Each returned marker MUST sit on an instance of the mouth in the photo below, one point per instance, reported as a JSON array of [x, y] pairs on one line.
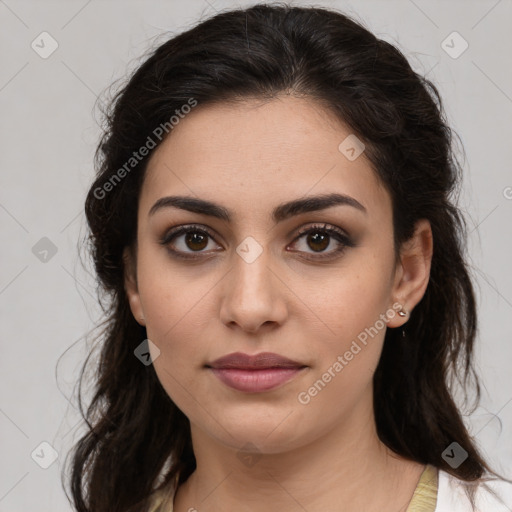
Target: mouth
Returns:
[[261, 361], [256, 381], [253, 374]]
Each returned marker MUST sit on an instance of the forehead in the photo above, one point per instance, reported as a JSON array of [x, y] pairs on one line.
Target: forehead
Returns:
[[253, 154]]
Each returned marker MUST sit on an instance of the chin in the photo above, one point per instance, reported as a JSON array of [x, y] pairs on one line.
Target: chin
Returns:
[[271, 434]]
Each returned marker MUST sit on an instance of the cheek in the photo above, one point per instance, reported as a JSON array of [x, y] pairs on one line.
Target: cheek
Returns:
[[174, 306], [349, 301], [171, 326], [177, 369], [345, 366], [353, 307], [177, 322], [171, 294]]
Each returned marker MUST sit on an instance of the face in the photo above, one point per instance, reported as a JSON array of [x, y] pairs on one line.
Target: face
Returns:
[[307, 285]]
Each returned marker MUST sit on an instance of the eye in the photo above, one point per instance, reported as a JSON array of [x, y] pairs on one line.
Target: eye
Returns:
[[319, 238], [196, 239]]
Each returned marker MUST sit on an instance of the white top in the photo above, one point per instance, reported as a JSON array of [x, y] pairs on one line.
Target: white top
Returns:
[[451, 496]]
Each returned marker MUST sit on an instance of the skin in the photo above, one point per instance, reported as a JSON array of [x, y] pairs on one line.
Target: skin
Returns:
[[250, 157]]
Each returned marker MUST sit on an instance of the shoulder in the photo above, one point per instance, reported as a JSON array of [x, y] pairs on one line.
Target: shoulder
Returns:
[[162, 499], [452, 496]]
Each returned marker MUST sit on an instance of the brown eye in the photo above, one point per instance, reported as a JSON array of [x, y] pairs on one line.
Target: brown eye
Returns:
[[317, 241], [319, 238], [194, 239]]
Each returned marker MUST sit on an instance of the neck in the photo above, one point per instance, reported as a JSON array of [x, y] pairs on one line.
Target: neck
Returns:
[[348, 464]]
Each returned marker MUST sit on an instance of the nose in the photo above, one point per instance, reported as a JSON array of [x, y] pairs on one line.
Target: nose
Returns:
[[253, 296]]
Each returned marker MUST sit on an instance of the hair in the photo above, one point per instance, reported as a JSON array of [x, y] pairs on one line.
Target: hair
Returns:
[[367, 83]]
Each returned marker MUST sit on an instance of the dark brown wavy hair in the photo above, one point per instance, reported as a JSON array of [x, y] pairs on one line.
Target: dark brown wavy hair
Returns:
[[260, 52]]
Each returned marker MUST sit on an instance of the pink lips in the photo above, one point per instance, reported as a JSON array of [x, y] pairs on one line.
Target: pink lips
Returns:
[[257, 373]]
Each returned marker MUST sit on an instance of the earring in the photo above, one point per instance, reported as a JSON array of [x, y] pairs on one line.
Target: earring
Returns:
[[403, 313]]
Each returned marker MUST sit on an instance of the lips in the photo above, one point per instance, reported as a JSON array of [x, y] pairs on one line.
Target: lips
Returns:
[[264, 360], [254, 374]]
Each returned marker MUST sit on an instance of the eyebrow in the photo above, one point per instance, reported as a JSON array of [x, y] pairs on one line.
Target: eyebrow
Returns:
[[279, 213]]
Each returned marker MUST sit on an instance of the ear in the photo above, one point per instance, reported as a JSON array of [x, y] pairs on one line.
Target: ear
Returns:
[[413, 271], [130, 285]]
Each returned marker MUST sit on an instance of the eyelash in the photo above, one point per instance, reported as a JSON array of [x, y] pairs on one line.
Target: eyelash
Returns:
[[332, 231]]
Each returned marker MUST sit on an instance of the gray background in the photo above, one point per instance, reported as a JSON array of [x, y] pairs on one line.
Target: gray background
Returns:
[[48, 134]]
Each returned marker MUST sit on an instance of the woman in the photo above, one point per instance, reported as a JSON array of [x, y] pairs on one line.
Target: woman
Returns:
[[288, 294]]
